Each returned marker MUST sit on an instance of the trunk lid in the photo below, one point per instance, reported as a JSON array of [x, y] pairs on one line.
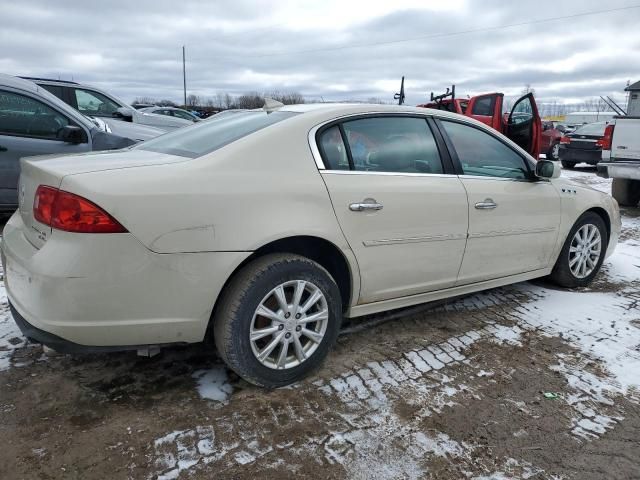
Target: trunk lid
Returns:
[[51, 169]]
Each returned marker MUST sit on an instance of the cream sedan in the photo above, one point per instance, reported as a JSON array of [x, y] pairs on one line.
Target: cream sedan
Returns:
[[262, 230]]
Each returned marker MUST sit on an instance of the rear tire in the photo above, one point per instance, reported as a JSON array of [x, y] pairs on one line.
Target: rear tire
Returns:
[[554, 152], [564, 271], [271, 285], [568, 165], [626, 191]]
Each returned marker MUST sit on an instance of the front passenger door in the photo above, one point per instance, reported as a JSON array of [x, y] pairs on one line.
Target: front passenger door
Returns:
[[513, 218]]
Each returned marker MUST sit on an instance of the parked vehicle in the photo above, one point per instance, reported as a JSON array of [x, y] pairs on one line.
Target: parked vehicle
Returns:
[[34, 122], [264, 229], [522, 125], [621, 159], [140, 106], [172, 112], [583, 146], [550, 140], [577, 119], [98, 103]]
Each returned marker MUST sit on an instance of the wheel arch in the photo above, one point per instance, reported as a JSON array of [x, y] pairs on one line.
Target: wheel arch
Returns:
[[318, 249], [602, 213]]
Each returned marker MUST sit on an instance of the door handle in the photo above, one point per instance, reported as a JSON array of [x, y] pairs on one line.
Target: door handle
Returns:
[[3, 149], [488, 204], [366, 204]]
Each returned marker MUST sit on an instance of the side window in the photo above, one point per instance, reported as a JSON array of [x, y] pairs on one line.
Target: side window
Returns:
[[332, 148], [183, 115], [94, 103], [55, 89], [482, 154], [25, 116], [393, 144], [484, 106]]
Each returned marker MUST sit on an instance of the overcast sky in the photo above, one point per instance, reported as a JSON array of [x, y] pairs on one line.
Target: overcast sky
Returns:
[[329, 49]]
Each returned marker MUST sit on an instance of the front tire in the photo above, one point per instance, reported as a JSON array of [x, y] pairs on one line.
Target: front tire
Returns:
[[583, 252], [277, 319], [626, 191], [568, 165]]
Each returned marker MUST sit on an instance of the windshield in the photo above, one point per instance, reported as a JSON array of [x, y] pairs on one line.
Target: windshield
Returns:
[[592, 129], [205, 137]]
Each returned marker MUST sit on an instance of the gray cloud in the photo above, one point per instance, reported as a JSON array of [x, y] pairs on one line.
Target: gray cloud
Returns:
[[134, 48]]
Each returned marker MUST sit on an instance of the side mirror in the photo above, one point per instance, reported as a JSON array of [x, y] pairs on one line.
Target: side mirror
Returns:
[[73, 134], [124, 113], [547, 169]]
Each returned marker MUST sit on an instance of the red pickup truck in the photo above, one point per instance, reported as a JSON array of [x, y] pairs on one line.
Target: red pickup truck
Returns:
[[522, 124]]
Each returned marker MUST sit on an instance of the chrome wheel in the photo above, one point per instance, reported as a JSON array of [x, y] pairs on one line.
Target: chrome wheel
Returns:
[[585, 251], [289, 324], [555, 151]]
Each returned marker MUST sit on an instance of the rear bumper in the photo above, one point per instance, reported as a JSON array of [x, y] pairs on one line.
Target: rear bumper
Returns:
[[592, 157], [630, 170], [109, 290]]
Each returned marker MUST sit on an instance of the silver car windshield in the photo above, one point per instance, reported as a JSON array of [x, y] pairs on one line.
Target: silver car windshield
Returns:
[[205, 137]]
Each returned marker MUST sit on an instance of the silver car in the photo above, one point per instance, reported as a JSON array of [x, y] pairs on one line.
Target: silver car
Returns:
[[35, 122], [94, 102], [172, 112]]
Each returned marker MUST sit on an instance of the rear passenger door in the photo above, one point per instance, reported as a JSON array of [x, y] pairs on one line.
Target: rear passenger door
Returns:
[[401, 208], [487, 109]]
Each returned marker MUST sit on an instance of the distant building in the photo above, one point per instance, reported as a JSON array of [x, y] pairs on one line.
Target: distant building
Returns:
[[633, 106]]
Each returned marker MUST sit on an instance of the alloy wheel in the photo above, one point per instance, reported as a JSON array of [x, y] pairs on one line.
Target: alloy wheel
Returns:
[[585, 250], [289, 324]]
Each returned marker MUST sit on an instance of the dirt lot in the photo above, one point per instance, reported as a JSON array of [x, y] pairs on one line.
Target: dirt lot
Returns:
[[526, 381]]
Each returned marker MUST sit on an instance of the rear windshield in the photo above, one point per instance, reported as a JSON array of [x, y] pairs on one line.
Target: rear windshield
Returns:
[[212, 134], [592, 129]]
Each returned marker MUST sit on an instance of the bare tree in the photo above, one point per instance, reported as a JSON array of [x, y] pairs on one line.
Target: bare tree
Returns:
[[193, 100]]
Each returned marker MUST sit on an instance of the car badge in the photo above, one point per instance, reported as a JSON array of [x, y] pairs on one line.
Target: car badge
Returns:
[[21, 198]]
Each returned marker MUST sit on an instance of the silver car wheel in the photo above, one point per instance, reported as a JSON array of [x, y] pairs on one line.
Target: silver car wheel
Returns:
[[289, 324], [555, 151], [585, 251]]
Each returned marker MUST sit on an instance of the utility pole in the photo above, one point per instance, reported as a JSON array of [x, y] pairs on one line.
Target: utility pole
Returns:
[[184, 78]]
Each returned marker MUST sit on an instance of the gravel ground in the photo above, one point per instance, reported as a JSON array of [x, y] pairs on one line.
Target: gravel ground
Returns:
[[525, 381]]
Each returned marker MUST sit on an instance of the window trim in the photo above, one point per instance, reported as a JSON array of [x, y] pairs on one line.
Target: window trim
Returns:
[[316, 131], [39, 100], [456, 160]]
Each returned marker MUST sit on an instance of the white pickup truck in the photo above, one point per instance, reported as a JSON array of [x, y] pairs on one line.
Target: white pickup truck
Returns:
[[621, 159]]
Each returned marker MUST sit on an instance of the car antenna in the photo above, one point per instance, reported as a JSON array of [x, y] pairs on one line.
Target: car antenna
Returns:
[[271, 105], [400, 96]]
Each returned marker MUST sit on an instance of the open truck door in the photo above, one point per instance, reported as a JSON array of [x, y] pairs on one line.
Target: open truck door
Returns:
[[486, 108], [524, 126]]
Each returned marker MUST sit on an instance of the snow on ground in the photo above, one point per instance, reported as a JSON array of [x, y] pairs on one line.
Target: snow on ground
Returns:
[[213, 383], [10, 336]]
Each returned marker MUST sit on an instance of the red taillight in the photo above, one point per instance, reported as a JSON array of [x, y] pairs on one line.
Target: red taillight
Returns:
[[605, 141], [565, 140], [72, 213]]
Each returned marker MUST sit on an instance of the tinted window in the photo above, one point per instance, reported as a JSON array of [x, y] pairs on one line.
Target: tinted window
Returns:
[[55, 89], [20, 115], [95, 104], [393, 144], [205, 137], [183, 115], [592, 129], [483, 106], [333, 151], [482, 154]]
